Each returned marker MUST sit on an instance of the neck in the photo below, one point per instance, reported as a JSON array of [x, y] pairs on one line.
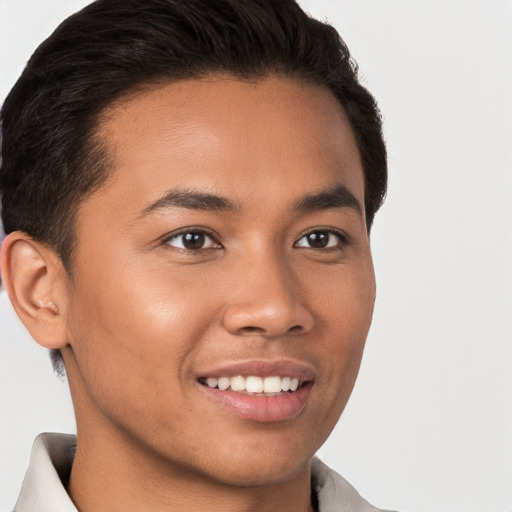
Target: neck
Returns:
[[113, 474]]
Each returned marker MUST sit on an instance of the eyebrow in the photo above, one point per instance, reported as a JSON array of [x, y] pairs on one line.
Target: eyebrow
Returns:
[[335, 197], [192, 200]]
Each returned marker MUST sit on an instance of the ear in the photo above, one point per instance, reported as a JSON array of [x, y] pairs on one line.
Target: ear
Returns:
[[36, 282]]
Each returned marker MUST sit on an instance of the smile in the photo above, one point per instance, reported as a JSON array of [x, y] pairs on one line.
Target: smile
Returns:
[[261, 391], [254, 385]]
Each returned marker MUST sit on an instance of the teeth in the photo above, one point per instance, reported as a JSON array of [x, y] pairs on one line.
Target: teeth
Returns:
[[272, 384], [254, 384], [212, 382], [237, 384], [224, 383]]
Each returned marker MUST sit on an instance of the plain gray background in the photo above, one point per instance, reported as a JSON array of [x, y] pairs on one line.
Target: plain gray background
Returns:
[[429, 426]]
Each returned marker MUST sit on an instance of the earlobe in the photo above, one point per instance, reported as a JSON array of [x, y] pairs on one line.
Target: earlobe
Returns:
[[35, 280]]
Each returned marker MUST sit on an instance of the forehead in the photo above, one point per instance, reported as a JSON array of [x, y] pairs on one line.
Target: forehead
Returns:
[[230, 137]]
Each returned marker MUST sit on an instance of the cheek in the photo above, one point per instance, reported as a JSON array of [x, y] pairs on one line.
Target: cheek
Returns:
[[137, 306], [344, 300], [344, 312], [135, 334]]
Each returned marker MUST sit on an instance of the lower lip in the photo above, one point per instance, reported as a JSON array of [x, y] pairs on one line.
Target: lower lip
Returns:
[[262, 408]]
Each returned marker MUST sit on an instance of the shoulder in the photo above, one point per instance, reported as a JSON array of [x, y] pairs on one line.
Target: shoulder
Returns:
[[334, 493]]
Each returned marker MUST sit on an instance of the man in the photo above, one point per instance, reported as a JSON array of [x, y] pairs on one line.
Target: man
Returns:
[[187, 191]]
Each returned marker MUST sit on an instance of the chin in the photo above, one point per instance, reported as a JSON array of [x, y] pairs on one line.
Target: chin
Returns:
[[268, 464], [257, 473]]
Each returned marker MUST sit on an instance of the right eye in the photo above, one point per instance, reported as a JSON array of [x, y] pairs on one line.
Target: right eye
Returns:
[[193, 240]]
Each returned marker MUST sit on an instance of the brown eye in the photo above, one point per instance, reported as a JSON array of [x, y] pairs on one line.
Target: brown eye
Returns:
[[192, 241], [320, 240]]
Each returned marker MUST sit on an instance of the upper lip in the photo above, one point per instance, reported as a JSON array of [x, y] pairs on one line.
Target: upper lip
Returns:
[[263, 368]]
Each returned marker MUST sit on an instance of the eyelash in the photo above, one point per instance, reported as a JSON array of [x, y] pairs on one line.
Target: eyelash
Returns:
[[342, 239]]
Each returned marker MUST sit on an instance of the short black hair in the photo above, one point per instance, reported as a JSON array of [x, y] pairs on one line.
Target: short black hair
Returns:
[[51, 155]]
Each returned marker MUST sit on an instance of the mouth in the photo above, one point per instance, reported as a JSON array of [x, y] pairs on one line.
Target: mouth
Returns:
[[260, 391]]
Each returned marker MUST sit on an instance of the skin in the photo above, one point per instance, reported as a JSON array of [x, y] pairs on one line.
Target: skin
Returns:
[[142, 318]]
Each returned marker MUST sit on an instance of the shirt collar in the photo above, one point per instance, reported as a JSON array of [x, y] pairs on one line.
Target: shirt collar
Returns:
[[50, 465]]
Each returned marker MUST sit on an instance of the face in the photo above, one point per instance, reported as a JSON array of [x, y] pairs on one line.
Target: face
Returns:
[[222, 283]]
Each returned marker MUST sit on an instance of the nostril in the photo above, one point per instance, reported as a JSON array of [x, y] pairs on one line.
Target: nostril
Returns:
[[251, 330]]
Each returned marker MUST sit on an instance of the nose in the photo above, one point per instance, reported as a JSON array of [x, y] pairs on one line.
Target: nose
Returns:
[[266, 301]]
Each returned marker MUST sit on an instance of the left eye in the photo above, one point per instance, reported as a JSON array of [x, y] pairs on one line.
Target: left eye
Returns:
[[192, 241], [320, 240]]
